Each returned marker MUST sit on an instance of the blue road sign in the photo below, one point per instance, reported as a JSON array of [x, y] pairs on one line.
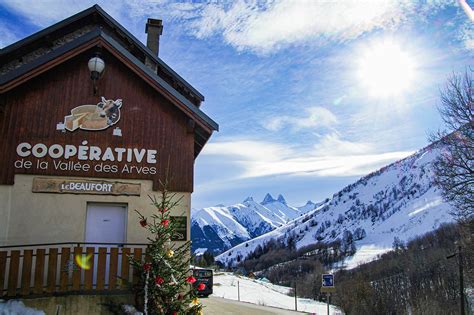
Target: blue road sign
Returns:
[[328, 280]]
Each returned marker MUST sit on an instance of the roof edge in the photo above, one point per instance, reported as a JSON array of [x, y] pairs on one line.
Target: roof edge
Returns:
[[98, 9], [98, 33], [145, 49], [56, 26], [160, 81]]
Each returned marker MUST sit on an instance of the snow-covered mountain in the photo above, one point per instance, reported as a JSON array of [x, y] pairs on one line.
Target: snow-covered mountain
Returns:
[[398, 200], [219, 228]]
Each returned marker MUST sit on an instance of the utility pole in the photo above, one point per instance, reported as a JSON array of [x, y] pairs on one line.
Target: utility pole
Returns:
[[296, 300], [238, 290], [461, 278], [327, 300]]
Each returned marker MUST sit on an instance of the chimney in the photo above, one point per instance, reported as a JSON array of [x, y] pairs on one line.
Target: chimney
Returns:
[[154, 28]]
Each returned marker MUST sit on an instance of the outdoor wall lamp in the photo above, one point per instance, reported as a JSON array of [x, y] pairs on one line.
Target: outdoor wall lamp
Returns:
[[96, 67]]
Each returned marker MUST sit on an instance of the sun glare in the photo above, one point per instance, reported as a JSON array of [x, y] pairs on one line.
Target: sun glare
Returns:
[[385, 69]]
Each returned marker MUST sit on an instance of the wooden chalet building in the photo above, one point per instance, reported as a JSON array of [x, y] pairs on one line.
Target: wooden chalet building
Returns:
[[83, 145]]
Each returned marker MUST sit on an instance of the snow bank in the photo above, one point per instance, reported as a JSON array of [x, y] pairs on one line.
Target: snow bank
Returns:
[[14, 307], [130, 310]]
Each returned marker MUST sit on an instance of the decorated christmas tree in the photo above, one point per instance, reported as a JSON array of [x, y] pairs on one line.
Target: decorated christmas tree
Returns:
[[166, 279]]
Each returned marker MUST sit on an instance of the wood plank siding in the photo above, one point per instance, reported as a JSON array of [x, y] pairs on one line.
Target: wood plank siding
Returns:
[[30, 112]]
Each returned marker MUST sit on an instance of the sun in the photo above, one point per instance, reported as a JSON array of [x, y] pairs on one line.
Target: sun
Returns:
[[385, 69]]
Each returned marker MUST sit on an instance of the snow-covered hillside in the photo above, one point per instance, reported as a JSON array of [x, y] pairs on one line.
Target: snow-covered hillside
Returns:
[[219, 228], [398, 200]]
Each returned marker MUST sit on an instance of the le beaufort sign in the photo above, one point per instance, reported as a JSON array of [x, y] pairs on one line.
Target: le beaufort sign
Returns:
[[82, 186]]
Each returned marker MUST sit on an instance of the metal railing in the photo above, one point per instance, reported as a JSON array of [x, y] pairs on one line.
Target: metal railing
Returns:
[[72, 243]]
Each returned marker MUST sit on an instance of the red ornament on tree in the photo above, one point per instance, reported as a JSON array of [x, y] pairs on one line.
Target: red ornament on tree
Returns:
[[143, 222], [165, 223], [190, 279], [159, 280], [147, 267], [201, 286]]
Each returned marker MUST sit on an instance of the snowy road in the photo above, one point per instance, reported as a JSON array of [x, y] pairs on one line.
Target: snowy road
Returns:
[[218, 306]]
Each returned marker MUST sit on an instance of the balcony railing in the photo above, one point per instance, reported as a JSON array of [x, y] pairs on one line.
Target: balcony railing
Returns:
[[67, 268]]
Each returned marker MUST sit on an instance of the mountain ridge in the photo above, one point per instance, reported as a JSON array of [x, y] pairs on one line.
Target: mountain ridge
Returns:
[[398, 200], [221, 227]]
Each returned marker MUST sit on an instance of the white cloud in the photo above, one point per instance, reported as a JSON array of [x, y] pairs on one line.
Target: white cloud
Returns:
[[315, 117], [332, 156], [466, 35], [46, 12], [7, 35], [263, 28], [259, 26], [248, 150], [331, 144]]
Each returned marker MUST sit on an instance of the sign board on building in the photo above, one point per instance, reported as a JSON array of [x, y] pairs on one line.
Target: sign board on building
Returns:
[[83, 186], [181, 223]]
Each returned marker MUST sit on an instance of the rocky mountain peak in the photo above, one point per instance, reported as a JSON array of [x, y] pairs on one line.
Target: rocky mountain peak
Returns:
[[248, 199], [281, 199], [268, 199]]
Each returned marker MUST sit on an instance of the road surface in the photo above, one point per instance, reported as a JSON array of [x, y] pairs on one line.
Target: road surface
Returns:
[[220, 306]]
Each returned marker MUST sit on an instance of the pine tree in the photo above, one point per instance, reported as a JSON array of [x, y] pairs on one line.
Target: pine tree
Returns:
[[165, 280]]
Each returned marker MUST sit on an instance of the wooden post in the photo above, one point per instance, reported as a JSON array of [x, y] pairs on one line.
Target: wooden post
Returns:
[[64, 275], [13, 274], [124, 273], [89, 273], [101, 260], [137, 255], [113, 268], [77, 270], [26, 273], [52, 266], [39, 270], [3, 264]]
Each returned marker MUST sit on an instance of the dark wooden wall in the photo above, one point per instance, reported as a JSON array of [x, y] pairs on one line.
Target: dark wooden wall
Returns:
[[30, 112]]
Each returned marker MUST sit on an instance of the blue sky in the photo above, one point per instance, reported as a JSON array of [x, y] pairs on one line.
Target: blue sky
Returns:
[[309, 95]]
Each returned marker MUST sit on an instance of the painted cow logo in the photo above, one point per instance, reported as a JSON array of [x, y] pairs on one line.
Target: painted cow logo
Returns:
[[94, 117]]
